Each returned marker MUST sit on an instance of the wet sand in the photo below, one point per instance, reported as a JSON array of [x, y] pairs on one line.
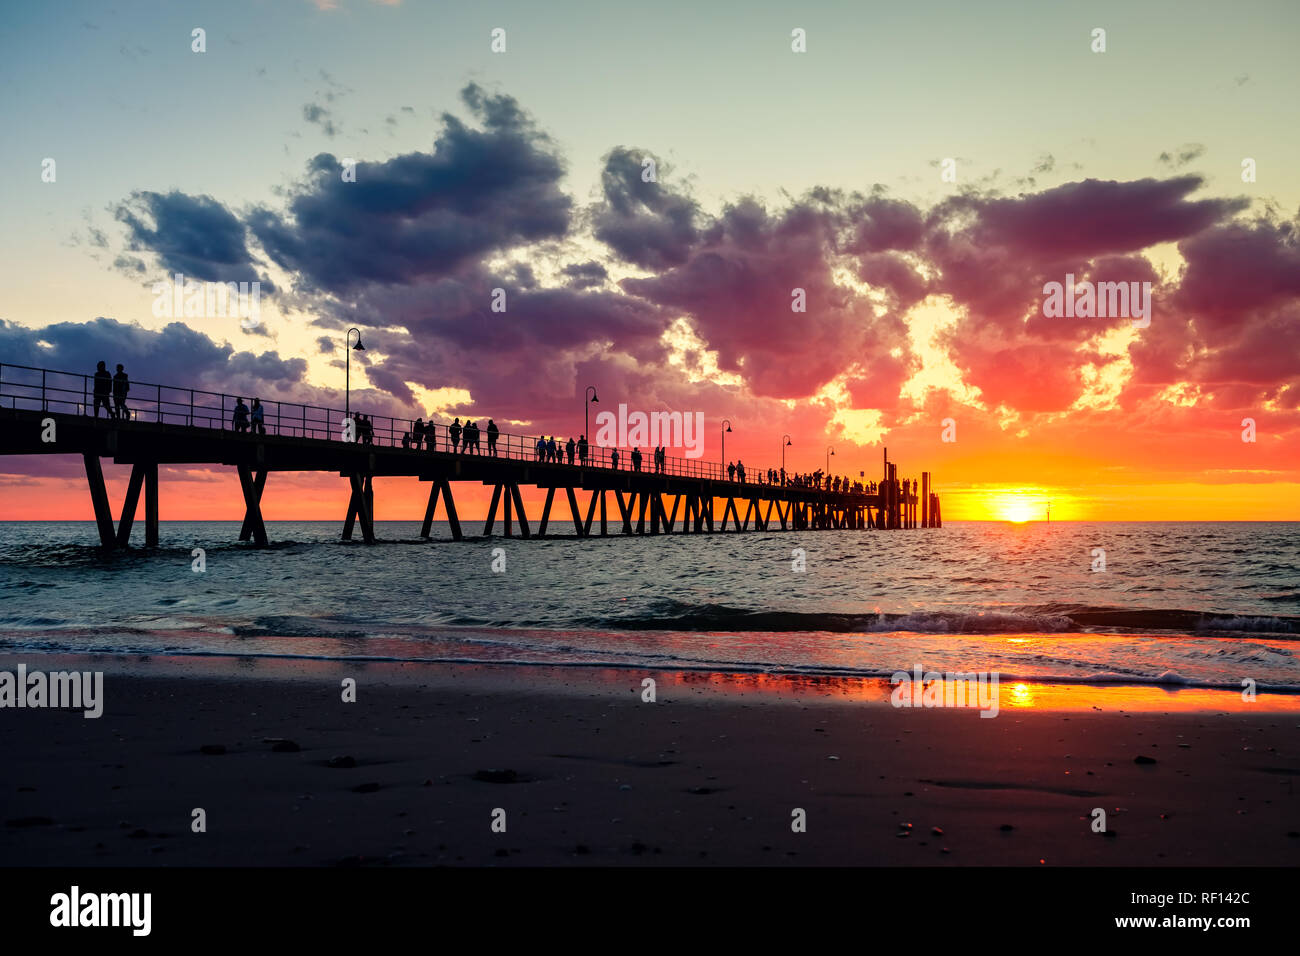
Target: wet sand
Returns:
[[588, 773]]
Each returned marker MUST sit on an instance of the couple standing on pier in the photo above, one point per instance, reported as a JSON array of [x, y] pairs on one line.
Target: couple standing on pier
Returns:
[[107, 384]]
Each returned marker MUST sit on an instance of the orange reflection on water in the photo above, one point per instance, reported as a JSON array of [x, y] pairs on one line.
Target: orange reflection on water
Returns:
[[802, 688], [1021, 695]]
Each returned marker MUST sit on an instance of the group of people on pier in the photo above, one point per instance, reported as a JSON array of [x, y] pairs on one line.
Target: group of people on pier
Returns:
[[815, 480], [465, 439]]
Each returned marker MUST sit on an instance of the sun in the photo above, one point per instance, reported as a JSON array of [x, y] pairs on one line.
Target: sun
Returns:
[[1015, 507]]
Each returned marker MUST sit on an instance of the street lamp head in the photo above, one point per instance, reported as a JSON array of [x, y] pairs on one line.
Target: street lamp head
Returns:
[[728, 428], [358, 347]]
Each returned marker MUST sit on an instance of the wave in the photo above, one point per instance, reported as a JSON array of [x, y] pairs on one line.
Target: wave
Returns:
[[1045, 619]]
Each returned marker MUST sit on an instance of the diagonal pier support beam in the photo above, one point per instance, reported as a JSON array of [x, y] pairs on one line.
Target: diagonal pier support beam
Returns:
[[254, 527], [361, 508], [449, 504], [546, 513], [426, 528], [492, 510], [579, 528], [519, 511], [129, 505], [99, 501]]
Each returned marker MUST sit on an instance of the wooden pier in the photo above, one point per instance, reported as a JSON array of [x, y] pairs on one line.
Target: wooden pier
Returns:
[[43, 412]]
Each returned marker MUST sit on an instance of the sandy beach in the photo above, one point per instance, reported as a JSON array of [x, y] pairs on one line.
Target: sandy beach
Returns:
[[587, 772]]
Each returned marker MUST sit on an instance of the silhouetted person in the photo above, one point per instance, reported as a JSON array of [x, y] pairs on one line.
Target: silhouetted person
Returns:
[[453, 431], [417, 433], [636, 459], [731, 472], [570, 447], [259, 418], [540, 449], [740, 470], [240, 418], [103, 388], [582, 450], [613, 458], [493, 433], [121, 385]]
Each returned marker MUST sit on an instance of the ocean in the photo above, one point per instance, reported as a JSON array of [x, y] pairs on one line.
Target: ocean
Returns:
[[1179, 604]]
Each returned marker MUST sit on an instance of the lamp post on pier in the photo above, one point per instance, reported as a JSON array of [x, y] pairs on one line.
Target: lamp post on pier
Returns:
[[723, 467], [347, 375], [830, 452], [588, 399], [784, 445]]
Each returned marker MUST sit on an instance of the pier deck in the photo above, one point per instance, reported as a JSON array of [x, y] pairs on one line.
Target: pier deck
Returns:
[[46, 412]]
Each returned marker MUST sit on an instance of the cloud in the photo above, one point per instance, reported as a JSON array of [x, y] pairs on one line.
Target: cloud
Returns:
[[175, 355], [661, 301], [319, 115], [648, 224], [1182, 156], [193, 235], [422, 215]]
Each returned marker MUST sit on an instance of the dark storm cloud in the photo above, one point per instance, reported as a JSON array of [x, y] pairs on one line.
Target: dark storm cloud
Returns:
[[193, 235], [585, 274], [426, 214], [176, 355], [649, 224]]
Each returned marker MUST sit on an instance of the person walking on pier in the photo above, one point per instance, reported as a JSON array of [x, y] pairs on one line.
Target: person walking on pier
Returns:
[[453, 431], [259, 417], [636, 459], [417, 433], [540, 449], [740, 470], [613, 458], [552, 450], [121, 385], [582, 450], [493, 434], [103, 388], [731, 471], [570, 448], [240, 418], [469, 438]]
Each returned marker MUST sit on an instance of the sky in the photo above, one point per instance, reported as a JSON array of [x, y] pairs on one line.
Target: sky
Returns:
[[920, 171]]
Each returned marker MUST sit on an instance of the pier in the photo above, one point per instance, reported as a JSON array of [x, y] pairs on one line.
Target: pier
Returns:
[[47, 412]]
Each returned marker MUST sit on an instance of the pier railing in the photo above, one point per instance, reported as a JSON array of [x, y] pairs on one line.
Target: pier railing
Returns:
[[39, 389]]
